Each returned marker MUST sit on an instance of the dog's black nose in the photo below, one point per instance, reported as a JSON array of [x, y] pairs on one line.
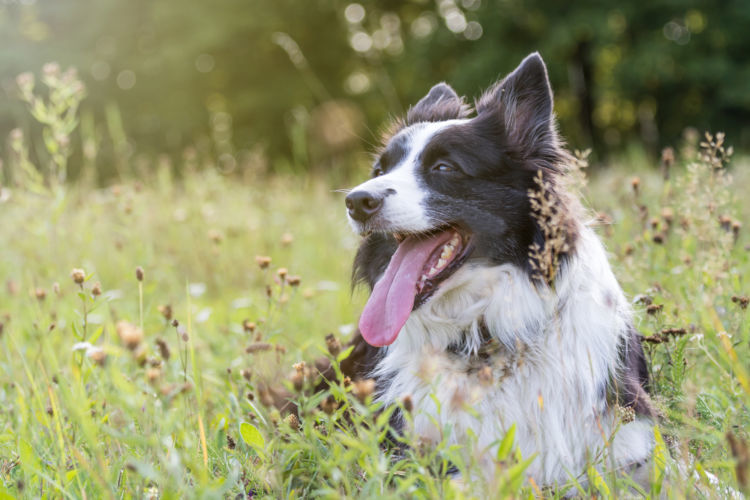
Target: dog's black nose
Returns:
[[363, 205]]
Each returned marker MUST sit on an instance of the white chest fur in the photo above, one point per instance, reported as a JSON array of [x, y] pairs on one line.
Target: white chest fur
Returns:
[[558, 353]]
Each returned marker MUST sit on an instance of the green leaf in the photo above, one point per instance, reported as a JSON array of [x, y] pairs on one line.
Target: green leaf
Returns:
[[660, 463], [344, 354], [252, 436], [506, 445]]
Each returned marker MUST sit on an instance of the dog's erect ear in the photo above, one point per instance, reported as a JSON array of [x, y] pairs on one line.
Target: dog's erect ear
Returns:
[[524, 100], [440, 103]]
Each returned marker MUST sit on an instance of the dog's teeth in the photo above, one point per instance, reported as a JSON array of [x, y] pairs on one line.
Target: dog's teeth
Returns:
[[423, 278], [432, 272], [441, 263], [447, 252], [454, 241]]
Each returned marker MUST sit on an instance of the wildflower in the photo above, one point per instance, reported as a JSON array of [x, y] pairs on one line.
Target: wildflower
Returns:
[[25, 82], [282, 272], [40, 294], [673, 331], [184, 335], [668, 215], [654, 223], [78, 275], [166, 311], [139, 273], [298, 380], [97, 355], [96, 290], [280, 349], [263, 261], [51, 69], [163, 349], [129, 334], [333, 344], [246, 374], [287, 239], [12, 287], [736, 226], [175, 323], [363, 389]]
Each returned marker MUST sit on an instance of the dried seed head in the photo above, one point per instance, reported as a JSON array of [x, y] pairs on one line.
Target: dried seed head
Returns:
[[96, 290], [56, 288], [293, 280], [287, 239], [736, 226], [292, 421], [280, 349], [658, 238], [263, 261], [40, 294], [139, 273], [78, 275], [258, 347], [654, 308], [215, 236], [166, 311], [298, 380], [246, 374], [363, 389], [248, 326], [184, 336], [333, 344], [626, 414], [129, 334], [299, 367], [329, 405], [408, 403], [635, 183], [97, 355], [153, 374], [668, 215], [230, 442], [269, 291], [654, 222], [175, 323], [282, 272], [629, 249], [726, 222], [741, 301], [2, 326], [163, 349]]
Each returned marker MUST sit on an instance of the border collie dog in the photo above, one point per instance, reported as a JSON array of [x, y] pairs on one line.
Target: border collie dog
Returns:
[[460, 318]]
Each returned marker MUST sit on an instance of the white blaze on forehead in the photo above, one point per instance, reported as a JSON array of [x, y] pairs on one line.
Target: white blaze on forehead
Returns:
[[403, 208]]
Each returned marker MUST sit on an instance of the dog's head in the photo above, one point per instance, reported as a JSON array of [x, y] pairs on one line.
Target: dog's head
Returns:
[[449, 186]]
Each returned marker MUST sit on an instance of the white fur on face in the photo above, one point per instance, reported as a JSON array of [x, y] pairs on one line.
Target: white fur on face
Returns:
[[403, 208]]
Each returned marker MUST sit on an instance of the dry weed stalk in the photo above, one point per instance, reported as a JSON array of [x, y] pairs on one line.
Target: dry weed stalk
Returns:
[[547, 210]]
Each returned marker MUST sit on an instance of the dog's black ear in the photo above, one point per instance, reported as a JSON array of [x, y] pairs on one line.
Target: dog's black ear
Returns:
[[440, 103], [524, 101]]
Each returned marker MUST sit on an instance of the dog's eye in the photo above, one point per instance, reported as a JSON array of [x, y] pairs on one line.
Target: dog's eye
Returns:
[[377, 172], [444, 168]]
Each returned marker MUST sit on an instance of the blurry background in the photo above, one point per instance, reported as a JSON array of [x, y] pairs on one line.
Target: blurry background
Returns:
[[291, 85]]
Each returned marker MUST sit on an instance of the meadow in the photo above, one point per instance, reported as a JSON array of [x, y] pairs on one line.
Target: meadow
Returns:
[[142, 323]]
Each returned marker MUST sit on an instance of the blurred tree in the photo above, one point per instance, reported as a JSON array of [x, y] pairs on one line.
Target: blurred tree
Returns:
[[255, 74]]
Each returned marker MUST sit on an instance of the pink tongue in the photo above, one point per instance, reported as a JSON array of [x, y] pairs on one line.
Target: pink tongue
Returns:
[[392, 299]]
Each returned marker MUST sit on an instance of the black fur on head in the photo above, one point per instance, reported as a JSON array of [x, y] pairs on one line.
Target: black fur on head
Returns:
[[495, 156]]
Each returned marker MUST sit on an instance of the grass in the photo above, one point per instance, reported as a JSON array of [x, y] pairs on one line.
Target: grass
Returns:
[[118, 383]]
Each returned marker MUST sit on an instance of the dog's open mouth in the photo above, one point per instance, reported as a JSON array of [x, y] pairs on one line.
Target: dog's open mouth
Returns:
[[414, 273]]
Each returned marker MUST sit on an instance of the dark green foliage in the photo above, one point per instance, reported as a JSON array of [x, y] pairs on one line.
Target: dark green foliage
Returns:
[[622, 70]]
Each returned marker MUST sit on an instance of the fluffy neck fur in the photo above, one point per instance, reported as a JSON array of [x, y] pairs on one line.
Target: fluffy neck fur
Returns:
[[558, 360]]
